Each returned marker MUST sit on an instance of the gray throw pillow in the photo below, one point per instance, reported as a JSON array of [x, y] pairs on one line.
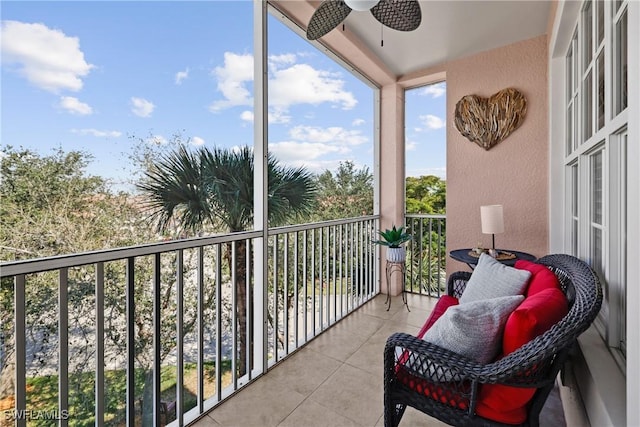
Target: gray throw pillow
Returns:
[[492, 279], [474, 329]]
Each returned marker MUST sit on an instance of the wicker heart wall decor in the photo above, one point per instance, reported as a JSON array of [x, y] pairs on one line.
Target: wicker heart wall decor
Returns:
[[487, 121]]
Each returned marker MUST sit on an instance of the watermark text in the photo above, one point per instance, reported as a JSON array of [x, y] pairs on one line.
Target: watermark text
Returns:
[[31, 415]]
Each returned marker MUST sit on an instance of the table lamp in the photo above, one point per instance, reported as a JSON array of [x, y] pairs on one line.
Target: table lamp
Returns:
[[492, 221]]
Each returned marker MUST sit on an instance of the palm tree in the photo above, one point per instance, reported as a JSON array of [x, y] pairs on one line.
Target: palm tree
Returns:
[[212, 187]]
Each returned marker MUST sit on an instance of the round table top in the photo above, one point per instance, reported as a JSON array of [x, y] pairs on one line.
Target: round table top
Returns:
[[463, 255]]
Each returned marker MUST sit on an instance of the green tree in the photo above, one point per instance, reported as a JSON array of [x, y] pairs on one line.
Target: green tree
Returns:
[[346, 193], [50, 206], [426, 195], [202, 189]]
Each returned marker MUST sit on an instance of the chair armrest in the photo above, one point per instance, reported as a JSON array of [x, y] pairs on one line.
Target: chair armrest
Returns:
[[427, 355], [457, 283], [412, 362]]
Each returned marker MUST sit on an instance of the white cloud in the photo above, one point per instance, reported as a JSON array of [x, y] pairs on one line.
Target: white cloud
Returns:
[[278, 117], [74, 106], [197, 141], [330, 135], [289, 84], [303, 84], [247, 116], [432, 122], [289, 153], [47, 58], [141, 107], [358, 122], [294, 151], [98, 133], [237, 70], [274, 117], [435, 90], [285, 59], [310, 145], [181, 75], [411, 145]]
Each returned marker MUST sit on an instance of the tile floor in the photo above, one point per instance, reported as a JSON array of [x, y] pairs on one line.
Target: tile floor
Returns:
[[336, 379]]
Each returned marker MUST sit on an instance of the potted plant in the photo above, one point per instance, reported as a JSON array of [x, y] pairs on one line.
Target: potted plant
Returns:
[[393, 239]]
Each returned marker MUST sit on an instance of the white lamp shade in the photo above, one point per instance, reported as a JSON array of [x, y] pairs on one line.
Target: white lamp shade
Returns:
[[361, 5], [492, 219]]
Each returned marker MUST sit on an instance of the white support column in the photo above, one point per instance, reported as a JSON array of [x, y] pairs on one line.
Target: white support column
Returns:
[[260, 184]]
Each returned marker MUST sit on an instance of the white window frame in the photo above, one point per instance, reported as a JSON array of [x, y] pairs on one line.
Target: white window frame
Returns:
[[584, 138], [587, 136]]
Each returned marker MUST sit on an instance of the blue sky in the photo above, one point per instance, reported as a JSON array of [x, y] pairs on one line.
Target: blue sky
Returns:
[[104, 76]]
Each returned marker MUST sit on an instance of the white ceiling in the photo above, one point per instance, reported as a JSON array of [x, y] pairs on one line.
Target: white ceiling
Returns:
[[449, 30]]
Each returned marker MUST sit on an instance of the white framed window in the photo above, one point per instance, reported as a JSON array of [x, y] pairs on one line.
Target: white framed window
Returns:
[[617, 278], [596, 157]]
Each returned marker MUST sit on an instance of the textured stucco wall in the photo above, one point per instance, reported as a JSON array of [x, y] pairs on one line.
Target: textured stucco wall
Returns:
[[392, 170], [513, 173]]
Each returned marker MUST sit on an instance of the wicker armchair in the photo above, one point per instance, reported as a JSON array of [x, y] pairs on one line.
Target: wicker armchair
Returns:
[[536, 365]]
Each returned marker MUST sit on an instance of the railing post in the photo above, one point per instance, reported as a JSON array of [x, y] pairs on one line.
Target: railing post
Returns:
[[179, 337], [20, 334], [131, 342], [100, 397], [156, 332], [200, 333], [63, 344]]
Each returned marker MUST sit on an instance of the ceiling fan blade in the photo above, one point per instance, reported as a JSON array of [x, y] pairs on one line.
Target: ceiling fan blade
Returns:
[[401, 15], [328, 16]]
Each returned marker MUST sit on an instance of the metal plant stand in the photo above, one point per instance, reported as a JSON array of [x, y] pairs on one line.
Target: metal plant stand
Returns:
[[390, 268]]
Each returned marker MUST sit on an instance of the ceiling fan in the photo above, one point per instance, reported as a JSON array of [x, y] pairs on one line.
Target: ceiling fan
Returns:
[[401, 15]]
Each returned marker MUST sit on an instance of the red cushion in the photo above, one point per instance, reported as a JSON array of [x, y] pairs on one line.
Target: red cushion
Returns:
[[443, 303], [452, 394], [541, 277], [537, 314]]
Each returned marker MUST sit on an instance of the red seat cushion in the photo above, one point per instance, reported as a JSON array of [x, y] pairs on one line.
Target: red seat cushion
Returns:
[[537, 314], [451, 394], [541, 277], [443, 303]]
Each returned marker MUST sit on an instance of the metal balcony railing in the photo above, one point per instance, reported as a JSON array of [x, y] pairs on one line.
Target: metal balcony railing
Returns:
[[426, 254], [171, 326]]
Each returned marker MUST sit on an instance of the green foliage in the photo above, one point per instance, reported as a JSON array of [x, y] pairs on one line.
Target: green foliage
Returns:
[[206, 187], [82, 410], [426, 195], [346, 193], [393, 237], [50, 206]]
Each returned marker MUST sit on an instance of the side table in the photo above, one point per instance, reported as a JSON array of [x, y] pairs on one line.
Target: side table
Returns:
[[401, 268], [463, 255]]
